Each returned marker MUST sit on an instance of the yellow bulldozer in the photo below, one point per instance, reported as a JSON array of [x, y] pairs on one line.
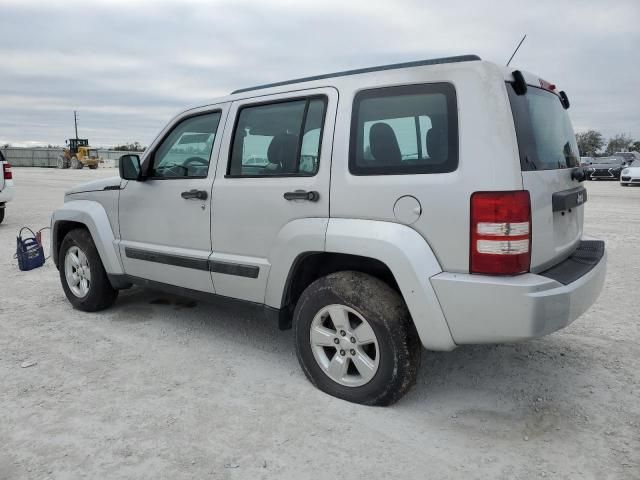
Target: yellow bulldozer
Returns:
[[79, 155]]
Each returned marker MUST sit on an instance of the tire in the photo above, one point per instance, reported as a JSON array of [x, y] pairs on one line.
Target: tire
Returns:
[[367, 301], [93, 167], [99, 293], [63, 162], [76, 164]]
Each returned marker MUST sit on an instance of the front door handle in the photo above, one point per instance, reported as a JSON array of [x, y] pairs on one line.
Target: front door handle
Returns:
[[312, 196], [194, 194]]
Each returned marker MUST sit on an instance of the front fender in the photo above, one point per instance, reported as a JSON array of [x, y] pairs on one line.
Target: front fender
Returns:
[[94, 217], [412, 263]]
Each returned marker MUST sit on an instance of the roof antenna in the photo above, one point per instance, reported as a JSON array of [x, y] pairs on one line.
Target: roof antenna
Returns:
[[516, 50]]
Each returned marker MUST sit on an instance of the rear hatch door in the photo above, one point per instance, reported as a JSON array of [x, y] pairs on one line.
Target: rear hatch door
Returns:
[[548, 156]]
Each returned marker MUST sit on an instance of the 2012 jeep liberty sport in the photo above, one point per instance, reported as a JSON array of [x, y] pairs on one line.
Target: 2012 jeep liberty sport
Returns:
[[377, 211]]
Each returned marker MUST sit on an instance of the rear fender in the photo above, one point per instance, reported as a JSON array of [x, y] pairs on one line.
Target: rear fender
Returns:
[[412, 263]]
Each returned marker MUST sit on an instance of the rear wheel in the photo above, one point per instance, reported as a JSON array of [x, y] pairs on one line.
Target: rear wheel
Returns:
[[63, 162], [355, 339], [75, 163], [82, 274]]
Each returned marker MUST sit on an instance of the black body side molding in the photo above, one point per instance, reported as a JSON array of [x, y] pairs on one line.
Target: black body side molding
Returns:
[[227, 268]]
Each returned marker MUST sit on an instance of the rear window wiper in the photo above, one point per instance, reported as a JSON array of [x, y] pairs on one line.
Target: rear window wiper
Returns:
[[532, 164]]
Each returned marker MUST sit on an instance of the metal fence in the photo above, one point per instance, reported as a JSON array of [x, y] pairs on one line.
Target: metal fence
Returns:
[[48, 157]]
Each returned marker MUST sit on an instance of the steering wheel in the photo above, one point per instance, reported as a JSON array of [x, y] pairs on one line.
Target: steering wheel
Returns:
[[191, 160]]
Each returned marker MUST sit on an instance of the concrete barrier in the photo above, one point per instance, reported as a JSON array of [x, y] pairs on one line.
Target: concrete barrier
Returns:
[[48, 157]]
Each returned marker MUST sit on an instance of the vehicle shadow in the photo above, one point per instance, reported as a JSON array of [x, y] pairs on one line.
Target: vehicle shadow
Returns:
[[493, 377]]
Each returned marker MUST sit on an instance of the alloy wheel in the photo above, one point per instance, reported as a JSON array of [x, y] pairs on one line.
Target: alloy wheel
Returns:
[[344, 345]]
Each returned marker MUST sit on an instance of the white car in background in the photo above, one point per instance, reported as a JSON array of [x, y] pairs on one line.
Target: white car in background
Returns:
[[6, 185], [630, 174]]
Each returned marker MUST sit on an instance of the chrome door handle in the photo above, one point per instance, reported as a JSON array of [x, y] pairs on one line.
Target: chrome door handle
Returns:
[[194, 194], [312, 196]]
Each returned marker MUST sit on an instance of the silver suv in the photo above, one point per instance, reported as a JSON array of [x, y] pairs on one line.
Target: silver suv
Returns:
[[377, 211]]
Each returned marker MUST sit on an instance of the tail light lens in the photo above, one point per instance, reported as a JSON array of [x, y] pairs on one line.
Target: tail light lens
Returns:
[[6, 168], [500, 233]]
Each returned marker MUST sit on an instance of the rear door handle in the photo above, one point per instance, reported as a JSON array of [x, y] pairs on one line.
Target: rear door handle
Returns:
[[194, 194], [312, 196]]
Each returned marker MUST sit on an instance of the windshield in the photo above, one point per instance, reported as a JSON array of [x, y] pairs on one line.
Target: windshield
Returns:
[[636, 163], [545, 136]]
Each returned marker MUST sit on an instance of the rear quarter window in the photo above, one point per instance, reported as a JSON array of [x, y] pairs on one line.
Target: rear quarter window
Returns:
[[407, 129]]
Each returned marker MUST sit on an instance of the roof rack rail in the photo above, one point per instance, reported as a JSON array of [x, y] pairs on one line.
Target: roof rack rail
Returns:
[[394, 66]]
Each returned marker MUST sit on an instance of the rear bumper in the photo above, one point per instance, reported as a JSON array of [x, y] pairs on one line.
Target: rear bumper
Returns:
[[6, 195], [489, 309]]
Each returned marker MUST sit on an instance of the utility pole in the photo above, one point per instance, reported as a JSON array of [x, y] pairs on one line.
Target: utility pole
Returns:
[[75, 121]]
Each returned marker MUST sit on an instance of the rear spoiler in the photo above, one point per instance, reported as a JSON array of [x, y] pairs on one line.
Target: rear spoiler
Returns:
[[520, 87]]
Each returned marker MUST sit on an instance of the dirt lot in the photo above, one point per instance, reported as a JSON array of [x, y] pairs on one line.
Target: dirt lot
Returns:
[[160, 387]]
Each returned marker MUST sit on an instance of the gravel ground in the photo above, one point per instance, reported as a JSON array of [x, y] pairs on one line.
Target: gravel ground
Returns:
[[163, 387]]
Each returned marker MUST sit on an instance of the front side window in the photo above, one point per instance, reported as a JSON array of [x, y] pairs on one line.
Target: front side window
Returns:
[[186, 151], [404, 130], [278, 139]]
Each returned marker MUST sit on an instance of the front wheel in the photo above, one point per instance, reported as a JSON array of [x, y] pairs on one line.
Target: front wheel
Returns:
[[355, 339], [82, 274], [76, 164]]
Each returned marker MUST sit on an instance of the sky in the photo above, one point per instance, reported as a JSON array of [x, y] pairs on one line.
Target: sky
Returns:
[[127, 67]]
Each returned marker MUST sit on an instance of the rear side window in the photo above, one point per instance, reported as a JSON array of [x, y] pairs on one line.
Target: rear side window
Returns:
[[404, 130], [545, 136], [278, 139]]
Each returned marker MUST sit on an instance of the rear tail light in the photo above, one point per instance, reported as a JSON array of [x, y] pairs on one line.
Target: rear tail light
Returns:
[[500, 233], [6, 168]]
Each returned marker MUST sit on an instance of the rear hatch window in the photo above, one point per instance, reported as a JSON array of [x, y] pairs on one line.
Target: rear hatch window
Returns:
[[545, 135]]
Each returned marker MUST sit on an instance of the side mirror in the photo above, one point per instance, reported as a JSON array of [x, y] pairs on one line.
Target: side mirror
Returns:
[[129, 166]]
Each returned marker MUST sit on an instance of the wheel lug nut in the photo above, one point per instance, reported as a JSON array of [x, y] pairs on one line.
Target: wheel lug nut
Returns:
[[336, 341], [342, 352], [343, 333], [352, 352], [353, 340]]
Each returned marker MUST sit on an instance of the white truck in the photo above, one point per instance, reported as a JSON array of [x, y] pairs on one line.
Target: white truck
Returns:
[[6, 185], [377, 211]]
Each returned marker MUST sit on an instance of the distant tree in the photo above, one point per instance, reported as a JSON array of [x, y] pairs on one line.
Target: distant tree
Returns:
[[6, 145], [130, 147], [619, 143], [589, 143], [635, 146]]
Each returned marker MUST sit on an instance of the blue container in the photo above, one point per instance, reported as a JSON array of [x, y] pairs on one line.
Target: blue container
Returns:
[[29, 251]]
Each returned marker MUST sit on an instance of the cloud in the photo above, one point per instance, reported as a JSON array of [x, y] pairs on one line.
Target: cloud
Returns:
[[128, 66]]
